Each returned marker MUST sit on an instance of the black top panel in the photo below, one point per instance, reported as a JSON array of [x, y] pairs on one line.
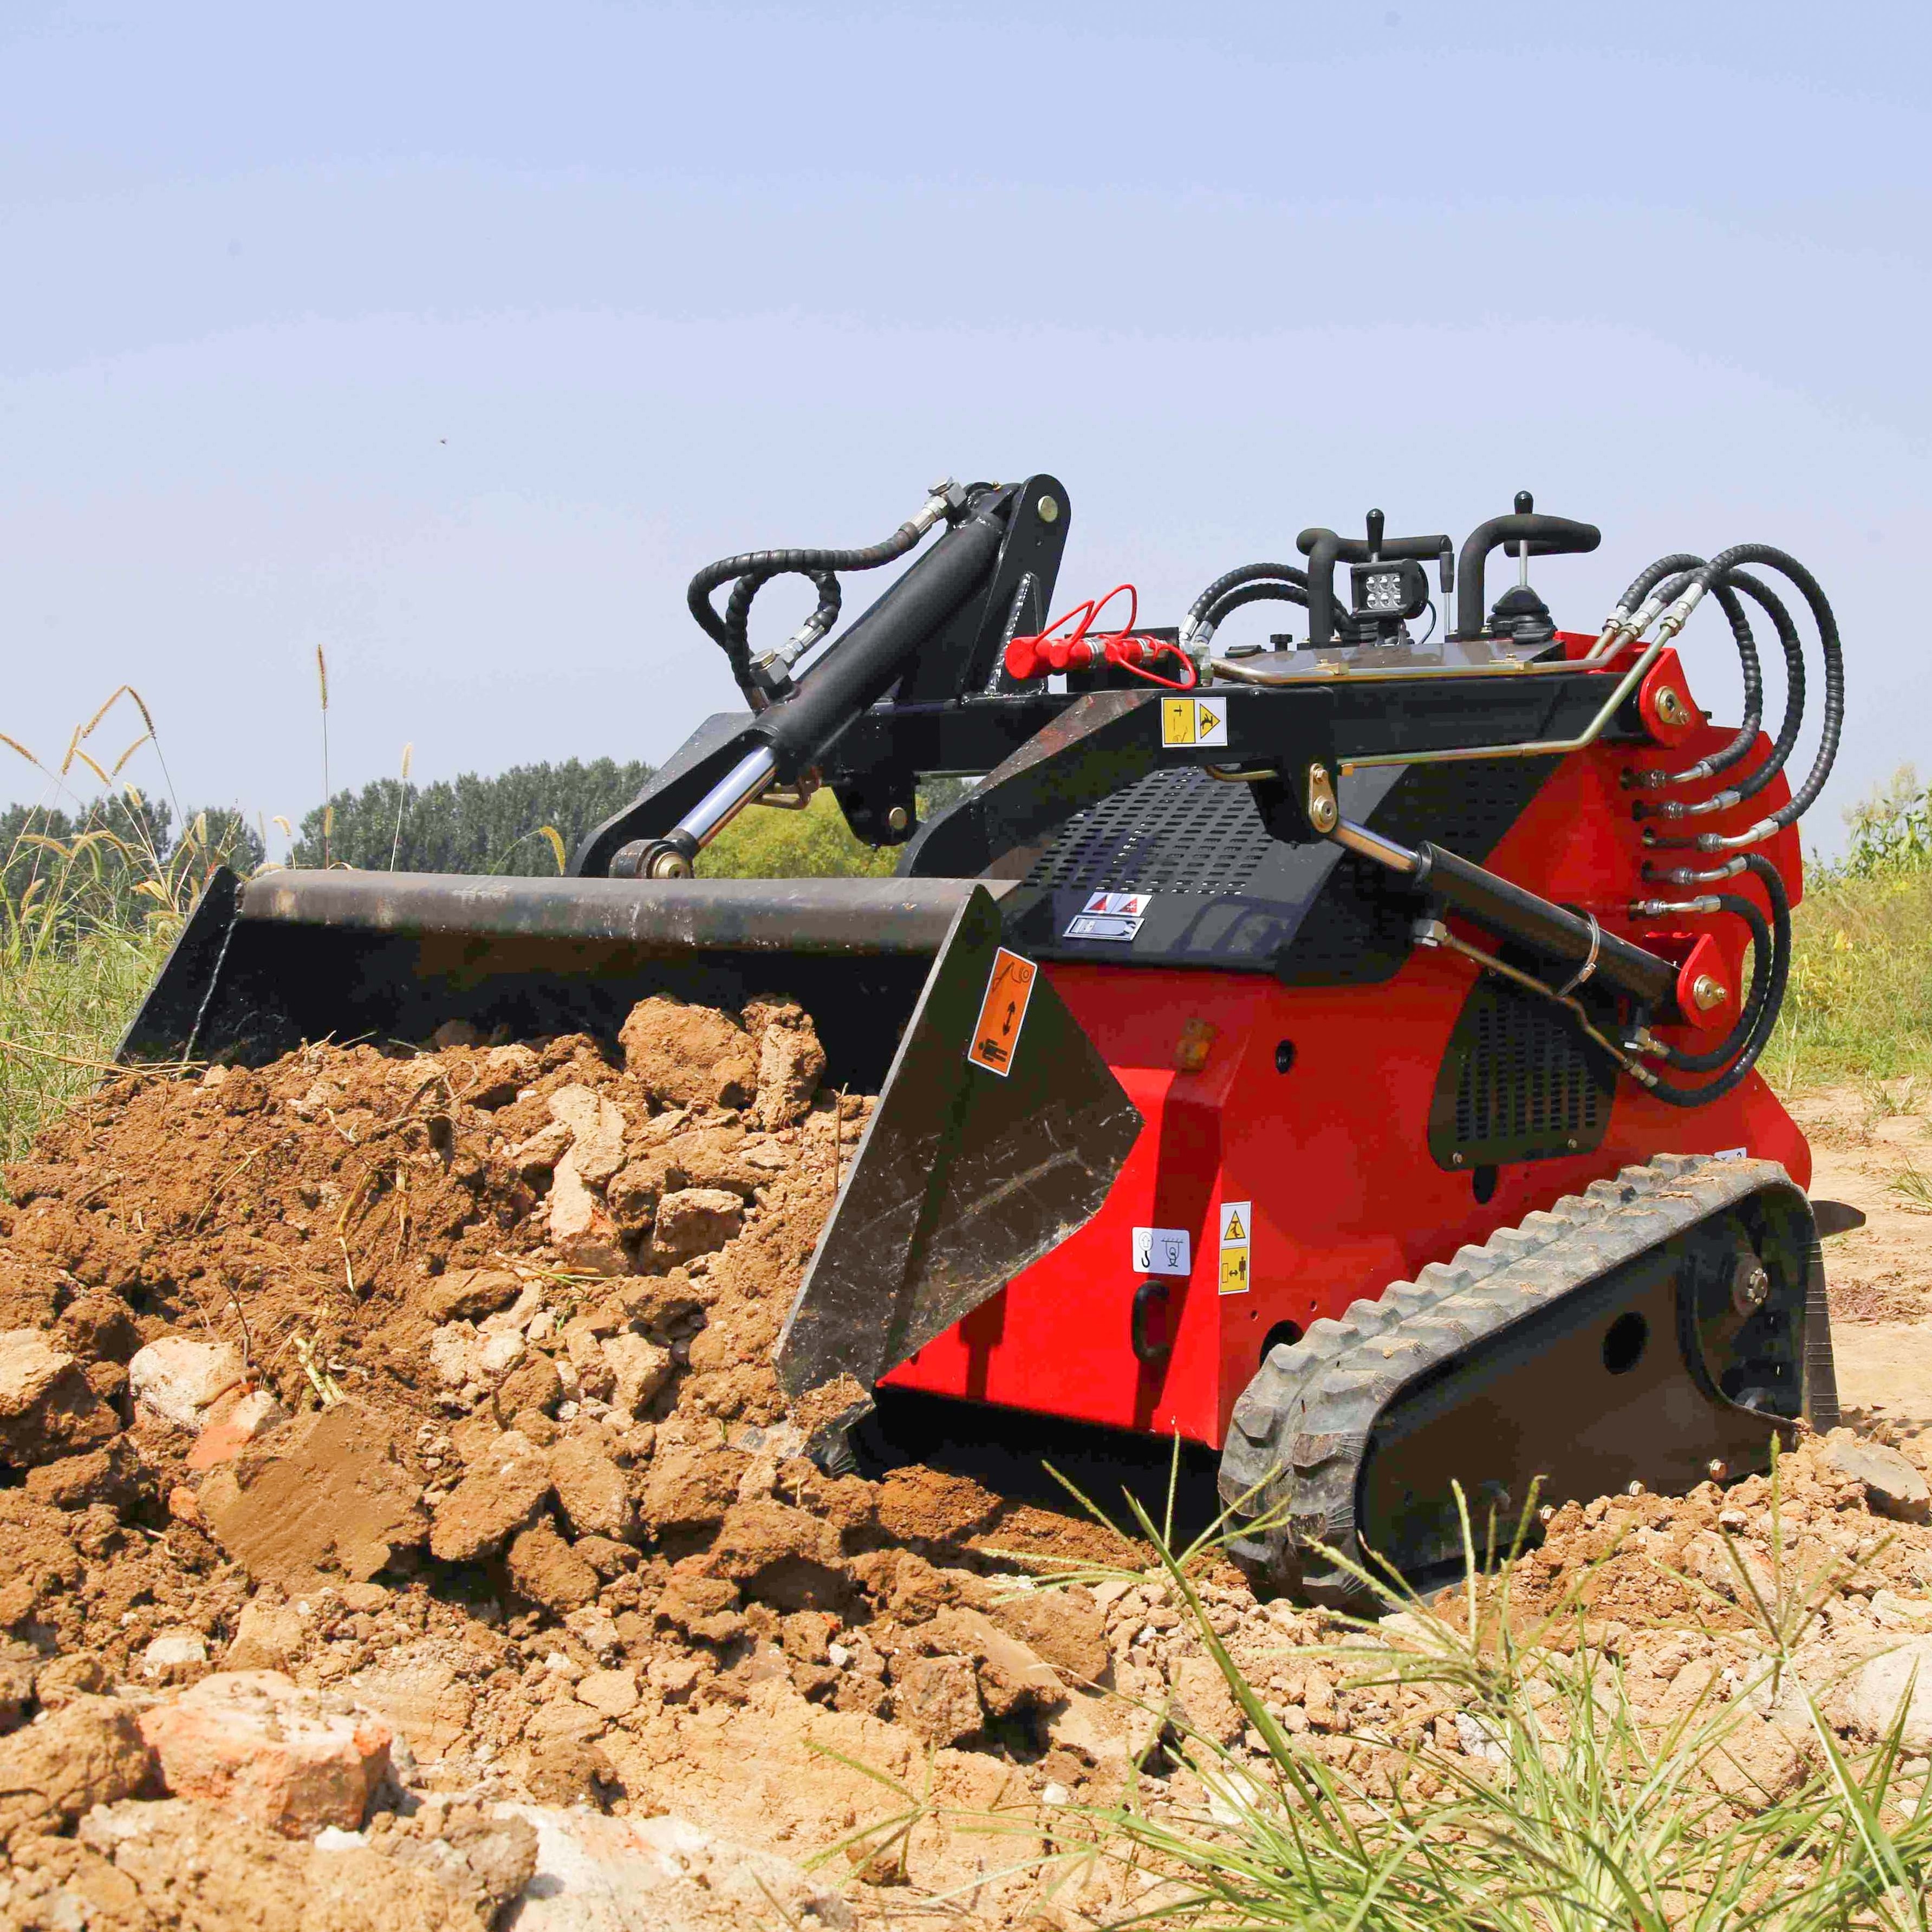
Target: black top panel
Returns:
[[1219, 893]]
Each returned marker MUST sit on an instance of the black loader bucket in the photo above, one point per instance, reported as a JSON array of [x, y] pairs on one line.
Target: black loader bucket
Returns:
[[999, 1128]]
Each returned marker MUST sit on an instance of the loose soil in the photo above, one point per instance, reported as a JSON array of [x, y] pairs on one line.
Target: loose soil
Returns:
[[440, 1382]]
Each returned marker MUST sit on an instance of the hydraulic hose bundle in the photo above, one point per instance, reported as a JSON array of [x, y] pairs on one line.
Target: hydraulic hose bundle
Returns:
[[1251, 584], [1666, 593]]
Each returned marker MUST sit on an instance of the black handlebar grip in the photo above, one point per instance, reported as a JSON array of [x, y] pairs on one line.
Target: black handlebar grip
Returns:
[[1546, 536]]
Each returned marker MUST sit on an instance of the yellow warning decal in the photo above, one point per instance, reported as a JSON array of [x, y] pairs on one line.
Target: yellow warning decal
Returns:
[[996, 1035], [1192, 721], [1237, 1217]]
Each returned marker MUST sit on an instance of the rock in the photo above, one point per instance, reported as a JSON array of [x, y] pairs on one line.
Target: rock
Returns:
[[18, 1668], [791, 1063], [590, 1489], [178, 1864], [938, 1699], [175, 1379], [596, 1131], [639, 1369], [58, 1683], [1090, 1725], [687, 1055], [171, 1650], [1892, 1486], [702, 1606], [614, 1692], [1203, 1702], [417, 1692], [546, 1570], [499, 1497], [584, 1236], [686, 1489], [48, 1408], [252, 1743], [501, 1075], [467, 1294], [785, 1557], [1066, 1628], [268, 1636], [109, 1475], [335, 1496], [89, 1752], [661, 1874], [533, 1383], [695, 1221], [536, 1157], [1755, 1760], [452, 1353], [1878, 1693], [1011, 1677], [232, 1422], [496, 1353], [454, 1033], [96, 1327]]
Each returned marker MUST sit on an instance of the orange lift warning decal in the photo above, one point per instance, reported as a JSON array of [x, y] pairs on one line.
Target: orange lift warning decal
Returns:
[[1003, 1012]]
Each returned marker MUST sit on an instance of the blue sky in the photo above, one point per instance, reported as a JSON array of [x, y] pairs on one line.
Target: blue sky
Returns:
[[454, 339]]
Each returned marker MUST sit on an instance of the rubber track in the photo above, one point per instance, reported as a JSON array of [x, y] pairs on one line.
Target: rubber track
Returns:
[[1302, 1427]]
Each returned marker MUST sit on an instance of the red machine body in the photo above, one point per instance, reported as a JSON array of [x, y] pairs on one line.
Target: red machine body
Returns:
[[1305, 1116]]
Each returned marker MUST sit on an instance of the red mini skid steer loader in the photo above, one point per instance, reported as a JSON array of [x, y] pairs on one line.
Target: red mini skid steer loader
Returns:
[[1339, 1054]]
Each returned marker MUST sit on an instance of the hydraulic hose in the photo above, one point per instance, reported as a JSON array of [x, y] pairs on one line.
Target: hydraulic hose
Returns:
[[1251, 583], [752, 570], [1248, 573], [1761, 1014], [1722, 565], [1761, 774]]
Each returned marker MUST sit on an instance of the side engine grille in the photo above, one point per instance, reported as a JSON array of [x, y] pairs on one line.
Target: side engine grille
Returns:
[[1173, 831], [1518, 1083]]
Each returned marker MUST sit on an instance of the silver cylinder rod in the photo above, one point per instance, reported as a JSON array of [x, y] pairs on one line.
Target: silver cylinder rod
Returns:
[[730, 796], [1367, 844]]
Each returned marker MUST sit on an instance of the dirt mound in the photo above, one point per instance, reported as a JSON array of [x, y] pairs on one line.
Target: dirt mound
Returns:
[[440, 1382], [415, 1408]]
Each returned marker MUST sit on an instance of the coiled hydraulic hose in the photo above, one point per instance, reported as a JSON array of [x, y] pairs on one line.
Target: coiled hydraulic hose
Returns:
[[1738, 1053], [1761, 774], [751, 571]]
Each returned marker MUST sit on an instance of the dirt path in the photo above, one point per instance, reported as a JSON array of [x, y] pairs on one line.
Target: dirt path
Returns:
[[1866, 1146]]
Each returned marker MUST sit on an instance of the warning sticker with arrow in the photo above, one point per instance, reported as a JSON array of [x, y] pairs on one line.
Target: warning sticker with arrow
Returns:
[[1193, 721], [1238, 1220], [996, 1035]]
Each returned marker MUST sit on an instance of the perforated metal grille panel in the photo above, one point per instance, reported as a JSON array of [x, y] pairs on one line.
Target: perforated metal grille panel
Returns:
[[1518, 1084], [1175, 831]]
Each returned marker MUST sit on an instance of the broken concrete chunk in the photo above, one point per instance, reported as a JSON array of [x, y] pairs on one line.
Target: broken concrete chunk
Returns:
[[1878, 1694], [791, 1063], [1892, 1486], [175, 1379], [695, 1221], [541, 1152], [232, 1421], [252, 1743], [639, 1369], [584, 1236], [938, 1698], [596, 1130]]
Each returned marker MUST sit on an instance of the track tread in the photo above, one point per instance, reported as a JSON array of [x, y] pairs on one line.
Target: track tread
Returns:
[[1303, 1424]]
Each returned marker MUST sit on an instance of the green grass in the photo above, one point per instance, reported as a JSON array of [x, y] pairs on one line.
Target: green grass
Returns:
[[1578, 1814], [1859, 1006]]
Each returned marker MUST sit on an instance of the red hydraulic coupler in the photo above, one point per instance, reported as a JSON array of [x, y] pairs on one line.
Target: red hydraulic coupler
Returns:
[[1043, 652]]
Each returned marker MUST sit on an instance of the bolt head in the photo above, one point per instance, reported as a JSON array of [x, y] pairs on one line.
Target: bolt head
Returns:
[[1708, 992], [1717, 1469], [1671, 708], [1048, 509], [898, 818]]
